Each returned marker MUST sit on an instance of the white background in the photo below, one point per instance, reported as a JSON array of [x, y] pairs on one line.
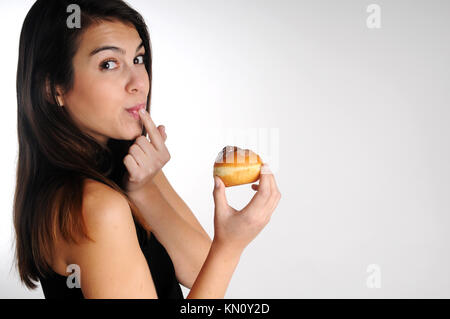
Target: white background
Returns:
[[360, 117]]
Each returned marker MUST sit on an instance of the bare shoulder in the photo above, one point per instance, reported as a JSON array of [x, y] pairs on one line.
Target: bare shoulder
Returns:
[[97, 193], [103, 204], [112, 265]]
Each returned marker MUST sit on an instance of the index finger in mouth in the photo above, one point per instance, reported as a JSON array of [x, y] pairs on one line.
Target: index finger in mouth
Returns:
[[150, 127]]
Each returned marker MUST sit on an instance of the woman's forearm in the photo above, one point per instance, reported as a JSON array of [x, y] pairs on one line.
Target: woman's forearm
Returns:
[[168, 192], [187, 247], [212, 264], [215, 275]]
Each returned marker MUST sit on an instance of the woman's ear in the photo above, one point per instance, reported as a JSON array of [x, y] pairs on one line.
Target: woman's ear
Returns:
[[59, 100], [58, 97]]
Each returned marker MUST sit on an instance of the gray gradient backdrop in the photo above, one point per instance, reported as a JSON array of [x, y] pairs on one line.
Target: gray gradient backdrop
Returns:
[[359, 123]]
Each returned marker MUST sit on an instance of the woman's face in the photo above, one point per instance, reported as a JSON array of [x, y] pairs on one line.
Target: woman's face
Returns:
[[108, 81]]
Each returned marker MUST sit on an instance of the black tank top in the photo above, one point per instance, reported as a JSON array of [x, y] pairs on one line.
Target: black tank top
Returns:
[[161, 269]]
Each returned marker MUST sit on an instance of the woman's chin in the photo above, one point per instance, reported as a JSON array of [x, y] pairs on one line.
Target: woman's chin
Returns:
[[134, 135], [132, 132]]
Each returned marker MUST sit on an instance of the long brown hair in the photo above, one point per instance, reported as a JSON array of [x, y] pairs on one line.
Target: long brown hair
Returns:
[[55, 156]]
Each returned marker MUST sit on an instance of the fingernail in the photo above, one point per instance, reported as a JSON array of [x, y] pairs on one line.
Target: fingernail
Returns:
[[265, 169], [142, 111], [216, 181]]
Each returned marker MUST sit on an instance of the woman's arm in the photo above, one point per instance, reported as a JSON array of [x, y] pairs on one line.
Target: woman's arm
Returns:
[[113, 266], [215, 275], [206, 268], [166, 189], [186, 246]]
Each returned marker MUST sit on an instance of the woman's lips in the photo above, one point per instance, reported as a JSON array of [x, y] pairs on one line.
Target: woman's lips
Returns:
[[134, 114], [135, 109]]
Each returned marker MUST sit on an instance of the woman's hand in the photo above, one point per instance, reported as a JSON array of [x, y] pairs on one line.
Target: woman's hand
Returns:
[[145, 158], [236, 229]]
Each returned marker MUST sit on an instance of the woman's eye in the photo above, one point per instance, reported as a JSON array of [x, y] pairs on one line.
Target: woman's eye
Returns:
[[107, 65], [142, 58]]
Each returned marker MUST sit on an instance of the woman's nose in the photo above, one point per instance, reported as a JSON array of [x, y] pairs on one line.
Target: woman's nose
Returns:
[[136, 82]]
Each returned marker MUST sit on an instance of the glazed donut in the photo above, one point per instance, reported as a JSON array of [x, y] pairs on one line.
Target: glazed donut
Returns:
[[236, 166]]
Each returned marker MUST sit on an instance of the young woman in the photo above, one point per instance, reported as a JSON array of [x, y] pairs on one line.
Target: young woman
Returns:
[[90, 195]]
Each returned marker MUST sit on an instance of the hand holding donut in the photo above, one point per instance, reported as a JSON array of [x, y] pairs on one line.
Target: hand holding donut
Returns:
[[236, 229], [145, 158]]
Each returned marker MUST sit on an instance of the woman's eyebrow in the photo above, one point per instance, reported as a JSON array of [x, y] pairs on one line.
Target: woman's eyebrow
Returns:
[[110, 47]]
